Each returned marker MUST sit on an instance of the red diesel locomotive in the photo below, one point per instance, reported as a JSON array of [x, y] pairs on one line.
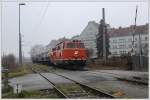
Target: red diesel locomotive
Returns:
[[69, 53]]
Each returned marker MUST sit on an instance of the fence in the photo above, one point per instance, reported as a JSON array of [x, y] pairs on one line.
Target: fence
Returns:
[[136, 63]]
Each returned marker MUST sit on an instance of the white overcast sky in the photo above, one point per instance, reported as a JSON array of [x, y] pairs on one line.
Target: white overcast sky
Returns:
[[42, 22]]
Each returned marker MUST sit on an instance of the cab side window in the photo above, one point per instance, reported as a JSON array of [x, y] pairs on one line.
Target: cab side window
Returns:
[[58, 47], [53, 49]]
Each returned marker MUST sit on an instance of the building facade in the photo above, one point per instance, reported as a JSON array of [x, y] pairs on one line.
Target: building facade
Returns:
[[121, 40]]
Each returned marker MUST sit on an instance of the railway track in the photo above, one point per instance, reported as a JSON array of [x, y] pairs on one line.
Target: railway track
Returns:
[[61, 94], [77, 90], [89, 88]]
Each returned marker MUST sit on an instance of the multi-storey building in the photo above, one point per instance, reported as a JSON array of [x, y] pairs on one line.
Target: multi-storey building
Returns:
[[121, 40]]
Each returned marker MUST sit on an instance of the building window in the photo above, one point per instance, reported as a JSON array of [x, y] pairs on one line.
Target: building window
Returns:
[[114, 46], [111, 47], [121, 46], [122, 52], [146, 38], [121, 40], [129, 40], [135, 45], [114, 41], [143, 45], [146, 45], [114, 53], [130, 46]]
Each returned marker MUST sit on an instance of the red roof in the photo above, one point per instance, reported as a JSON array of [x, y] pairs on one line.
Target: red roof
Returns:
[[116, 32]]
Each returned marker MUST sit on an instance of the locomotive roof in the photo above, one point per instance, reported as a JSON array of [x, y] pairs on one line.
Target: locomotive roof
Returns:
[[61, 42], [68, 41]]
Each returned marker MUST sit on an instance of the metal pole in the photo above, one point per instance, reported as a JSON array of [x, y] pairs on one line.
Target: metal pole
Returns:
[[20, 53], [20, 44], [104, 36]]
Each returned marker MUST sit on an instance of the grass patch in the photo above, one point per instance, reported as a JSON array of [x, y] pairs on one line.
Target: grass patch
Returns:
[[7, 92], [32, 94], [42, 68], [18, 72], [46, 68], [69, 87], [8, 89], [38, 94]]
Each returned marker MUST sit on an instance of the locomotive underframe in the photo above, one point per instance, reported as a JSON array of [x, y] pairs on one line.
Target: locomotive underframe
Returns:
[[71, 62]]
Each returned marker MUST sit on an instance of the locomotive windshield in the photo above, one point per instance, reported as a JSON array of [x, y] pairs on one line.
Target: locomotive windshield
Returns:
[[75, 45], [71, 45]]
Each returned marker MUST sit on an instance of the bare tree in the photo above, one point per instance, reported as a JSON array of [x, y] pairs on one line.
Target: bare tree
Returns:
[[100, 40], [9, 61]]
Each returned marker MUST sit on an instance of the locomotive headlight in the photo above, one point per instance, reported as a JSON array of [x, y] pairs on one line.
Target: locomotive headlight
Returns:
[[76, 52]]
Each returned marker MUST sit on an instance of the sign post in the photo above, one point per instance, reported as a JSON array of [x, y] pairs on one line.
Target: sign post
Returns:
[[17, 88]]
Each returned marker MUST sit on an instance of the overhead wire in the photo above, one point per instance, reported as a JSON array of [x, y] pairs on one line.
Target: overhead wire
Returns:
[[36, 29]]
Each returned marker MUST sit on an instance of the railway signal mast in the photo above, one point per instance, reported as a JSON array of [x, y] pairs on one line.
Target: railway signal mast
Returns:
[[140, 48], [134, 30]]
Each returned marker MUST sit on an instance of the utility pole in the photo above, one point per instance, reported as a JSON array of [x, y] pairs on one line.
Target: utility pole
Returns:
[[102, 39], [104, 36], [20, 40]]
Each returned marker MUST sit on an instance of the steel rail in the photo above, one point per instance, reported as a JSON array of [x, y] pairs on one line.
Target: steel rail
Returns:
[[100, 93], [53, 85]]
